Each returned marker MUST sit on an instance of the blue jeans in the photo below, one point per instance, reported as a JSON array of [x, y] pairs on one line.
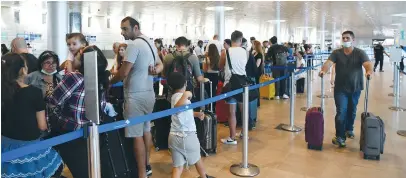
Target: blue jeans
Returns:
[[346, 106]]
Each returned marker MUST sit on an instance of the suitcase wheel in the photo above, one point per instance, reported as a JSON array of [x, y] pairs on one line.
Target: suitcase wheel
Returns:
[[156, 148], [372, 157]]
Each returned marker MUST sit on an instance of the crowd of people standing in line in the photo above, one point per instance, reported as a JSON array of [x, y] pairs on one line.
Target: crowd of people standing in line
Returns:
[[50, 95]]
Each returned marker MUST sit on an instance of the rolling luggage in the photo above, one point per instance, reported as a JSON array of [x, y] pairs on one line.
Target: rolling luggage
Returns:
[[314, 124], [222, 108], [373, 135], [116, 154], [161, 127], [267, 92], [207, 130], [252, 114]]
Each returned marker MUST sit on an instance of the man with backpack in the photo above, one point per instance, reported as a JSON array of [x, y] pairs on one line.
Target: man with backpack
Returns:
[[184, 62], [278, 54]]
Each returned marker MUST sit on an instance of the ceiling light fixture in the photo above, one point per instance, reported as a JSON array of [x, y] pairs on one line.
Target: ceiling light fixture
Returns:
[[304, 27], [399, 15], [276, 21], [397, 24], [224, 7]]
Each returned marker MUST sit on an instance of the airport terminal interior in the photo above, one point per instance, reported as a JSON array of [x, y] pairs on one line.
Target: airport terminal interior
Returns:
[[311, 34]]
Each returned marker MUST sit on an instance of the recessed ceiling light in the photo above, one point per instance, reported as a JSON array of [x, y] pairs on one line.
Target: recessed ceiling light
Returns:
[[304, 27], [214, 8], [276, 21], [399, 15]]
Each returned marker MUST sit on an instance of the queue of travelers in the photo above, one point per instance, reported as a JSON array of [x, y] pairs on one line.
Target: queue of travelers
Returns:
[[49, 97]]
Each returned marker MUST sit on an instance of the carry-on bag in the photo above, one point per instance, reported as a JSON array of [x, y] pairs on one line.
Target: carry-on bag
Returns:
[[161, 127], [207, 130], [373, 134], [267, 92], [222, 108], [116, 154], [314, 124]]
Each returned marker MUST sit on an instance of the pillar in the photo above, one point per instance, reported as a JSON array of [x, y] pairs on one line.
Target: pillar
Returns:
[[219, 23], [306, 22], [278, 21], [323, 31], [333, 36], [57, 28], [402, 32]]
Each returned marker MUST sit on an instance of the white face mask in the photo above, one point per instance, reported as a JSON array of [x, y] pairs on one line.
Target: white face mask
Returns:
[[347, 44], [46, 73]]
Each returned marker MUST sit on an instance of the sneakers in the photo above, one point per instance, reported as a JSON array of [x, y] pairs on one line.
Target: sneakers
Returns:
[[381, 71], [241, 135], [149, 170], [207, 176], [285, 96], [339, 141], [350, 134], [277, 98], [229, 141]]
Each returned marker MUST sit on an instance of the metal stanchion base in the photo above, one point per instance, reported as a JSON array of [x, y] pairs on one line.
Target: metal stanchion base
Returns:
[[391, 94], [239, 170], [394, 108], [323, 96], [304, 109], [402, 133], [291, 128]]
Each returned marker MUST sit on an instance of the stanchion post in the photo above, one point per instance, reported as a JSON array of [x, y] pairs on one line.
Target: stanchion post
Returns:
[[245, 169], [308, 91], [291, 127], [394, 82], [396, 87], [92, 113]]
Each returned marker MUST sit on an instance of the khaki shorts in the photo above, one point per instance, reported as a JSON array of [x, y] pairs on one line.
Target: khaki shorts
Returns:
[[138, 104]]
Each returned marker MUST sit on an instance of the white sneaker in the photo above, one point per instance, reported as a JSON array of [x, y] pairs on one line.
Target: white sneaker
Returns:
[[285, 96], [277, 98], [229, 141]]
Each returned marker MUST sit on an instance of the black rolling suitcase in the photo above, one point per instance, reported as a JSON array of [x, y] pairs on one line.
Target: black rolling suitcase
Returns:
[[161, 127], [116, 154], [207, 129], [373, 135]]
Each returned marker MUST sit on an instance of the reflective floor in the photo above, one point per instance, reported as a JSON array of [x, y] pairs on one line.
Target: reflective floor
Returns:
[[282, 154]]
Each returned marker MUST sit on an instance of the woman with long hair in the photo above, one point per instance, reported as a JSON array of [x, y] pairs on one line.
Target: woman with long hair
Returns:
[[211, 68], [120, 56], [259, 57], [70, 94], [23, 123]]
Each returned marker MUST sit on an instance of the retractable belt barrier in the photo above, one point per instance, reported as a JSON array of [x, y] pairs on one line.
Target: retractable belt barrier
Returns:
[[22, 151]]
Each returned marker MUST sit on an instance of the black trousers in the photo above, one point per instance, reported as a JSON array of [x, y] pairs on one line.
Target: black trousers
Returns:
[[379, 60], [300, 84], [280, 86], [402, 65], [74, 154]]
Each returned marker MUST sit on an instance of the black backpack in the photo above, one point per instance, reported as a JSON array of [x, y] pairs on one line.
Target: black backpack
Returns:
[[182, 64]]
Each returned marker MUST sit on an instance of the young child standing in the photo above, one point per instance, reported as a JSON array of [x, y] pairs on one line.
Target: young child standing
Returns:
[[183, 141], [74, 41], [300, 82]]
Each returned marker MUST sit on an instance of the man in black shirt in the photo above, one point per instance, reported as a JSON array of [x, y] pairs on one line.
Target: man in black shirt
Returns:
[[280, 86], [378, 53]]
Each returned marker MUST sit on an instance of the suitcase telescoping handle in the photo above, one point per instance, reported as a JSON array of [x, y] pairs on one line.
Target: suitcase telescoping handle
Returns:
[[367, 94], [322, 90], [202, 94]]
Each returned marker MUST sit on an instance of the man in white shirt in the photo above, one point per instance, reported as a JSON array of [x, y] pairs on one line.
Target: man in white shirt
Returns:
[[140, 63], [238, 59], [199, 51], [216, 42]]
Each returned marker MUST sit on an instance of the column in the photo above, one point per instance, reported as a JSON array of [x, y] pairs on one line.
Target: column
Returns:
[[306, 22], [219, 23], [402, 31], [323, 31], [333, 36], [278, 21], [57, 28]]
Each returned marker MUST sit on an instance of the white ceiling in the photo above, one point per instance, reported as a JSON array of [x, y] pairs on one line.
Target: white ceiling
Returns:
[[362, 17]]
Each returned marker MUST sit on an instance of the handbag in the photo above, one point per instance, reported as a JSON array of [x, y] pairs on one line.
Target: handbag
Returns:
[[238, 81]]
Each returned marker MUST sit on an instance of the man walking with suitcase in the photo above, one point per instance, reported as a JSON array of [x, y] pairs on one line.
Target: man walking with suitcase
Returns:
[[348, 84]]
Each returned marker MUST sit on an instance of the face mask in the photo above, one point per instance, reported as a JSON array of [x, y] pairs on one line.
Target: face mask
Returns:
[[347, 44], [46, 73]]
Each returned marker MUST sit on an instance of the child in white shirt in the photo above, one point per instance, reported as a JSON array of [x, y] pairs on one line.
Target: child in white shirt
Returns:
[[183, 141], [300, 82]]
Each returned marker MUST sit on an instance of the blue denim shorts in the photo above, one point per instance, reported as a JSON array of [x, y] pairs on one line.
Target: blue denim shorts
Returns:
[[231, 100]]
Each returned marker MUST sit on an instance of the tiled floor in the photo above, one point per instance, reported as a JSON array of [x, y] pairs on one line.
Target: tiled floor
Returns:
[[281, 154]]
